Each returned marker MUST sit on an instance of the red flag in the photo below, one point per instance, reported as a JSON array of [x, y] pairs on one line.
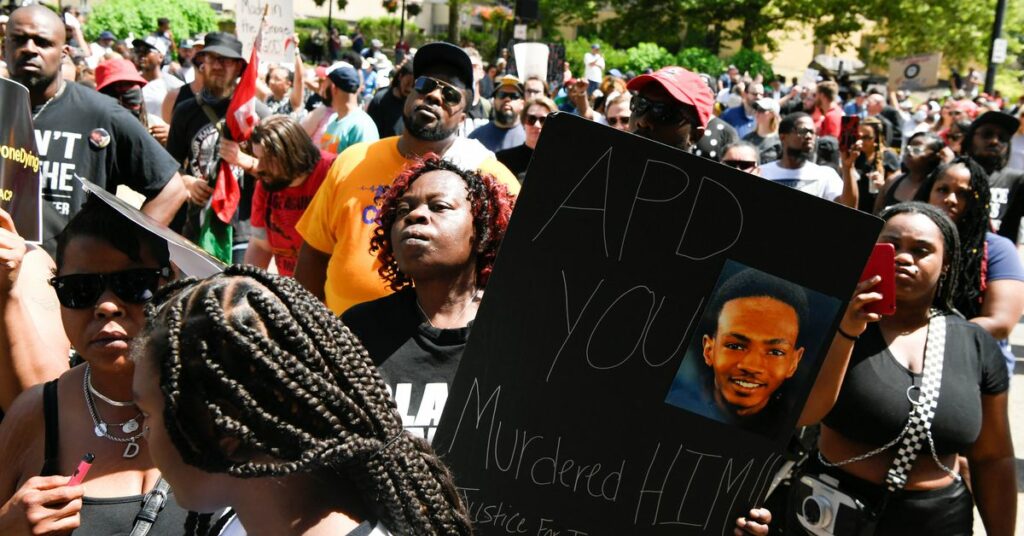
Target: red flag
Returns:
[[241, 118], [226, 193]]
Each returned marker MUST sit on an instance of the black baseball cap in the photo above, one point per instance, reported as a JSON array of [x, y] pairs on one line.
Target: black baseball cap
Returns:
[[440, 52], [1000, 119]]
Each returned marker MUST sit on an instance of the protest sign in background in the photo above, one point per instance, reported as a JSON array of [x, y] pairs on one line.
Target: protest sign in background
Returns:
[[278, 46], [915, 72], [19, 162], [557, 421]]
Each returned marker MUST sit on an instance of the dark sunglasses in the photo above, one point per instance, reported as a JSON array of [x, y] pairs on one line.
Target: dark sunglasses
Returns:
[[616, 121], [81, 291], [536, 119], [425, 85], [742, 165], [507, 95], [661, 112]]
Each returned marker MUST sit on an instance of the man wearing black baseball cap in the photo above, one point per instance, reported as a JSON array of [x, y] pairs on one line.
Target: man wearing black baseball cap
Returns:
[[334, 262], [988, 142], [195, 140]]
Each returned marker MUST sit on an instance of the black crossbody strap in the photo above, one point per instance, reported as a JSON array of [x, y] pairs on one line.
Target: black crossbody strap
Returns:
[[152, 504]]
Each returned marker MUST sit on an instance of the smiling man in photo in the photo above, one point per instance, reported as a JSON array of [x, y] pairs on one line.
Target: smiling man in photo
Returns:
[[747, 348], [753, 349]]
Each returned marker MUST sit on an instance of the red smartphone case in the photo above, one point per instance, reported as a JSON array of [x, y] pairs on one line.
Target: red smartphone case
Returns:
[[848, 131], [883, 263]]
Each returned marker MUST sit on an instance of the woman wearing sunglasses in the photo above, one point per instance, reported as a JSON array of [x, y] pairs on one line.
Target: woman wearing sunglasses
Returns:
[[534, 113], [924, 152], [106, 269]]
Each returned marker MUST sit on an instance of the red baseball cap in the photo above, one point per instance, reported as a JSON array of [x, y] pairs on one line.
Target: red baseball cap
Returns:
[[117, 70], [684, 86]]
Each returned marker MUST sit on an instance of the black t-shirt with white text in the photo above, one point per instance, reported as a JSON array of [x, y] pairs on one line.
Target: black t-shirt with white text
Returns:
[[418, 361], [85, 133], [1007, 208]]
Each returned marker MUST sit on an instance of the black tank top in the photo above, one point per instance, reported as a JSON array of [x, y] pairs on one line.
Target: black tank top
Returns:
[[105, 516], [890, 192]]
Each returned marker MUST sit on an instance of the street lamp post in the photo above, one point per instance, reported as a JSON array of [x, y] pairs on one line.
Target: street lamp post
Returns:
[[997, 32]]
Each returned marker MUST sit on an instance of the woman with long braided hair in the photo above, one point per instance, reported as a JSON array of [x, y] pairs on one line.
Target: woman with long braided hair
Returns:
[[990, 289], [258, 398]]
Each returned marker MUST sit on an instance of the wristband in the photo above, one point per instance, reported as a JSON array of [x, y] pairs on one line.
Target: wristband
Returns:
[[840, 331]]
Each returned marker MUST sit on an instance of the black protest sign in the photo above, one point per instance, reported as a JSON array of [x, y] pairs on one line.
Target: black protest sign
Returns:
[[651, 330], [19, 162]]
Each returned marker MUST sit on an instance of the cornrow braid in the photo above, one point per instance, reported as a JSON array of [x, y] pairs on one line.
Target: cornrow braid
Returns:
[[257, 358]]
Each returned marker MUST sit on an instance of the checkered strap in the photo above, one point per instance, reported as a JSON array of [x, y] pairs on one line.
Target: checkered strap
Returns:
[[923, 409]]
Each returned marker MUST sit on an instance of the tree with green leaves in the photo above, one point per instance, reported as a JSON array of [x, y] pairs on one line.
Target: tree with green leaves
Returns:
[[138, 17]]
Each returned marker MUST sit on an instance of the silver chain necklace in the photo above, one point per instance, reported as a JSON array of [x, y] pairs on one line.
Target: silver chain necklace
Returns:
[[59, 92], [475, 297], [100, 428], [111, 401]]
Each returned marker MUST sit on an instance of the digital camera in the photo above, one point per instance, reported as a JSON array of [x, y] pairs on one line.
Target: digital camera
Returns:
[[824, 510]]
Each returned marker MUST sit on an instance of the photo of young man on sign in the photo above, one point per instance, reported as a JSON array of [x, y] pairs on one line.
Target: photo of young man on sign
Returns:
[[754, 338]]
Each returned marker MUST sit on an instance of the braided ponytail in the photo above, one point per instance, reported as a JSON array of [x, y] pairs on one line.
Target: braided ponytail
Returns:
[[256, 358]]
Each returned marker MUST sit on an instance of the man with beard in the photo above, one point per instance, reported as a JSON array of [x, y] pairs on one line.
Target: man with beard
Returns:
[[334, 262], [341, 122], [988, 142], [742, 117], [80, 132], [794, 169], [196, 136], [290, 170], [504, 131], [751, 346]]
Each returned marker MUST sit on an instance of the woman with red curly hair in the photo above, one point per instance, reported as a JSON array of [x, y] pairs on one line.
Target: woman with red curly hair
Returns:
[[438, 233]]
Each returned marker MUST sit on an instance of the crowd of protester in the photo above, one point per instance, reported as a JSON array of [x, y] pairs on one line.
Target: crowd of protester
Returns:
[[377, 186]]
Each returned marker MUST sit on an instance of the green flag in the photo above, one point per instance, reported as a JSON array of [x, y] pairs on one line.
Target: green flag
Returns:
[[216, 237]]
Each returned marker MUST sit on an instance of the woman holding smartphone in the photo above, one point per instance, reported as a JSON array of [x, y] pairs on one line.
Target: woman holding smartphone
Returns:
[[879, 369]]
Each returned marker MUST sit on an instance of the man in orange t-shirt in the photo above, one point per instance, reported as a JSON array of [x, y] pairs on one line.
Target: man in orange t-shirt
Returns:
[[335, 262]]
